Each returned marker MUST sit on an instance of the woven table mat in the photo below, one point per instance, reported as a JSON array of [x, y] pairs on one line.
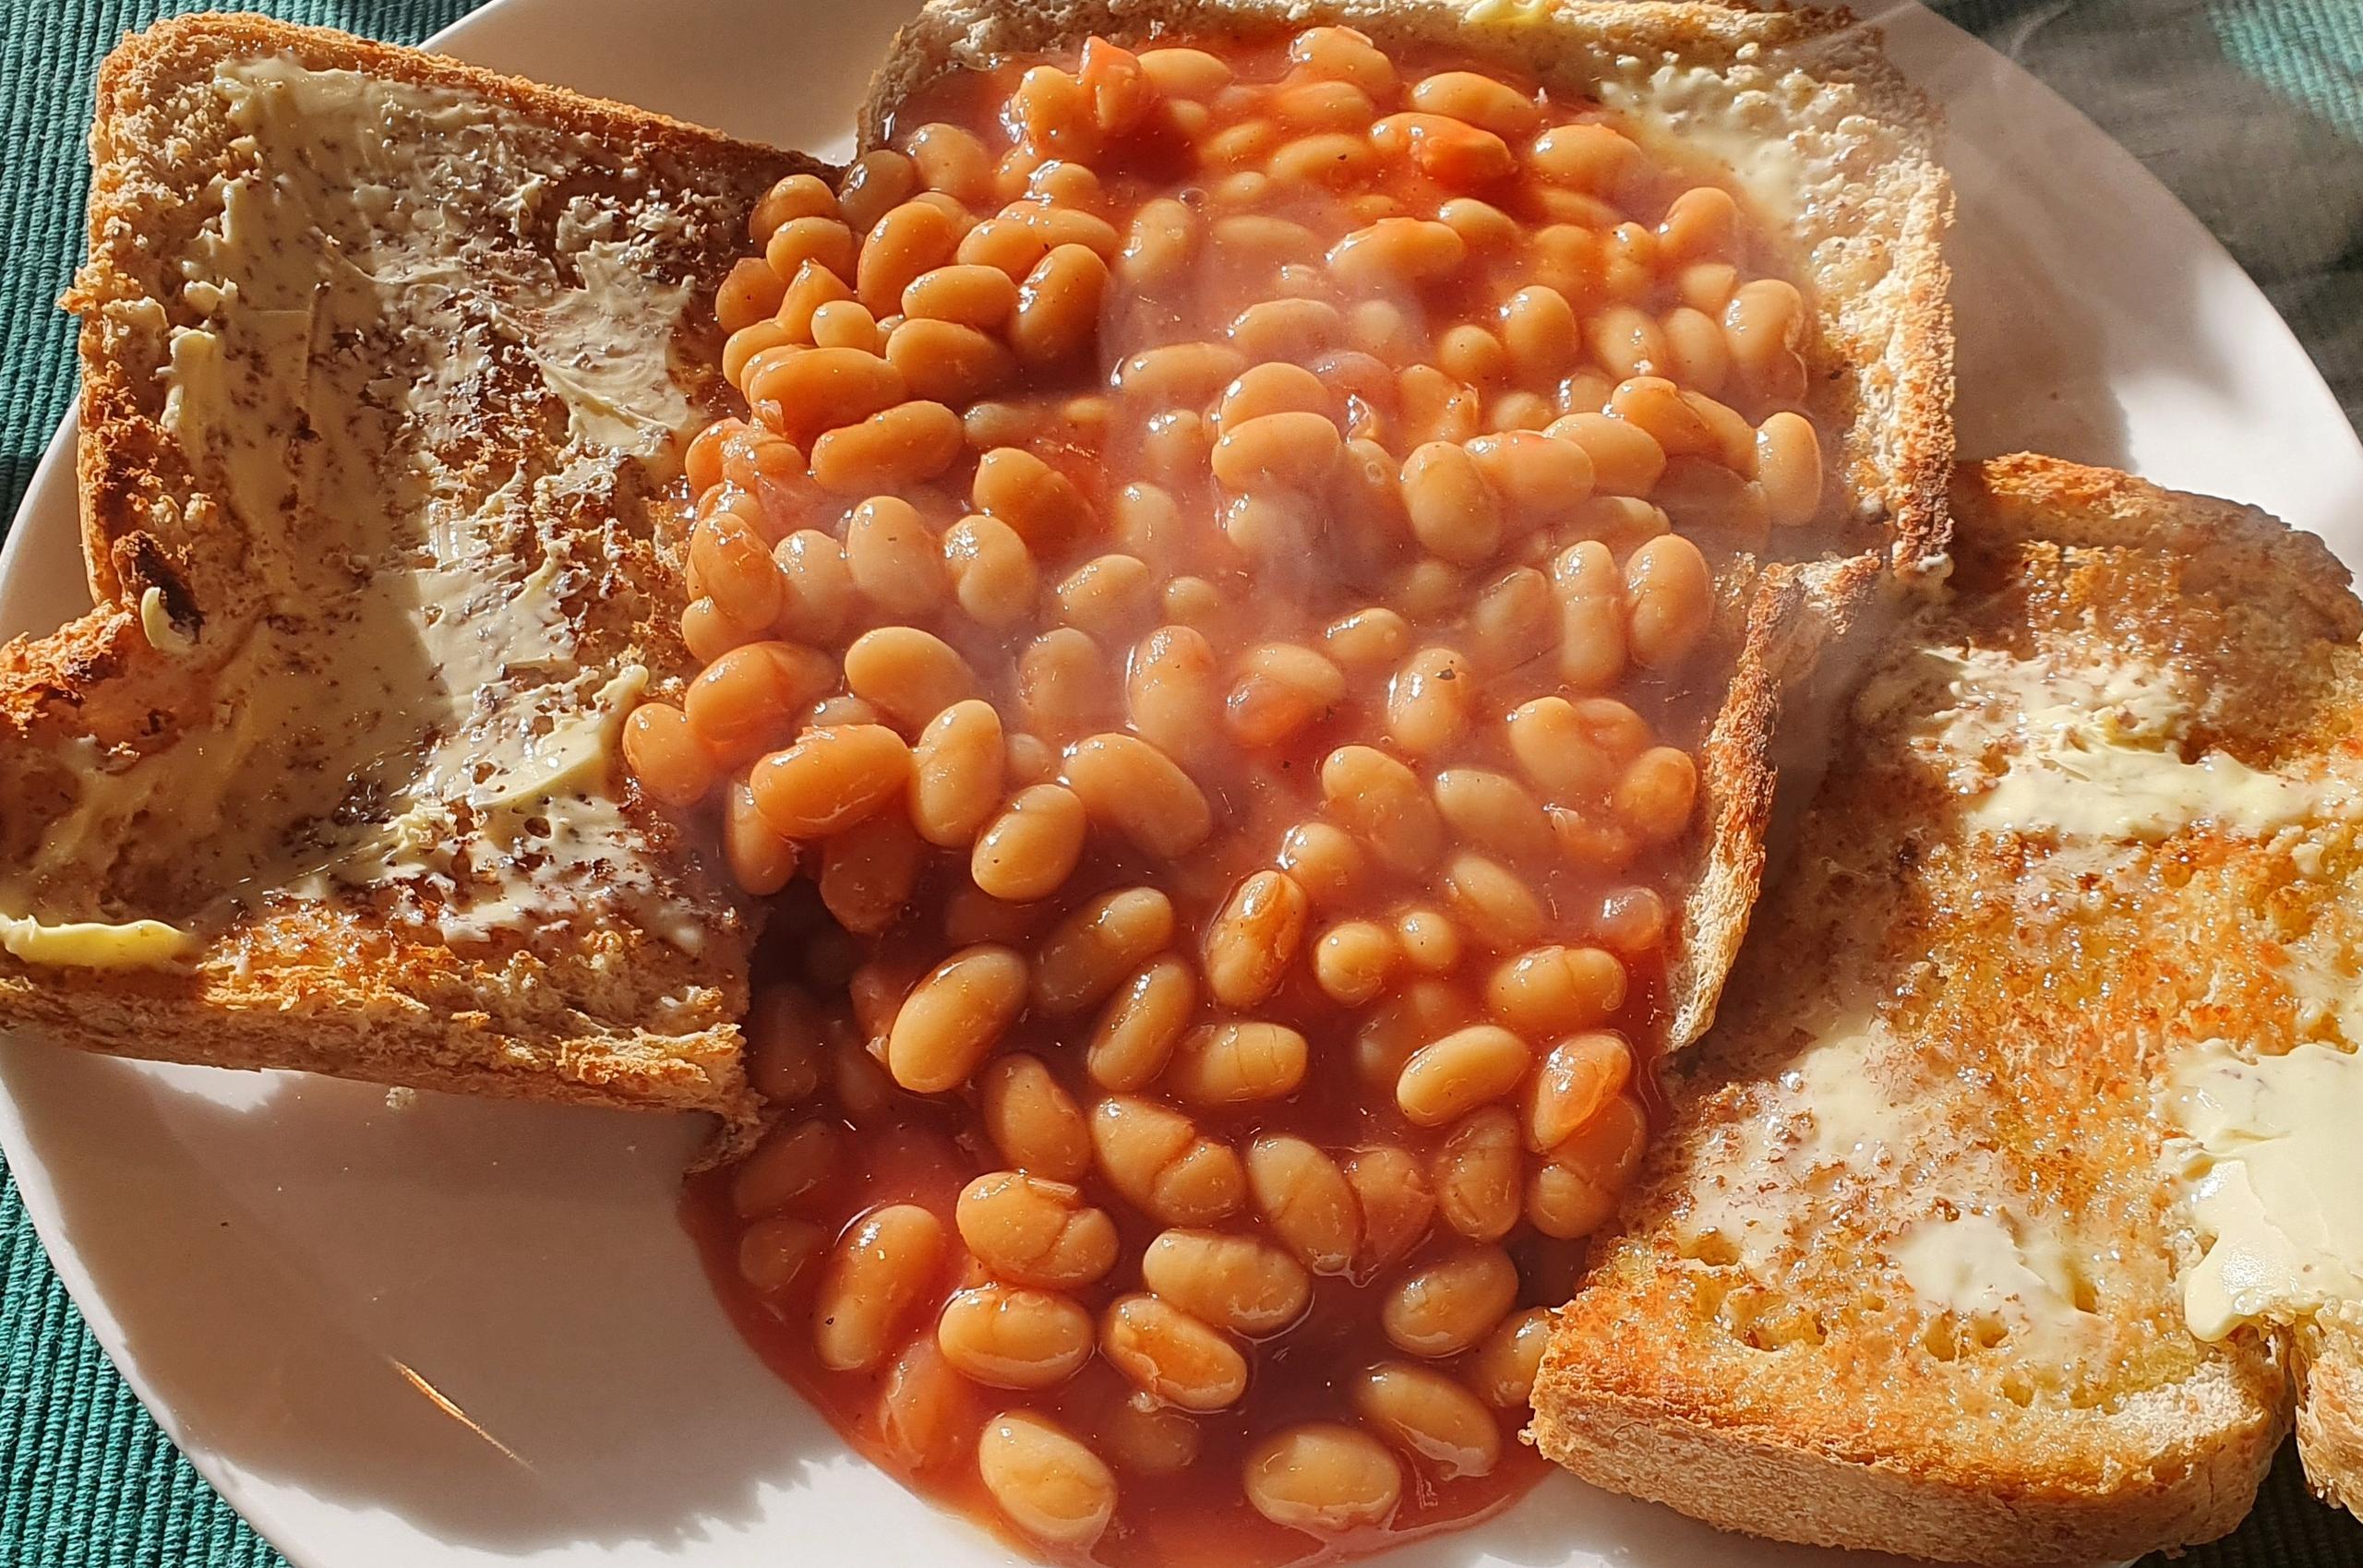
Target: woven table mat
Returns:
[[2213, 98]]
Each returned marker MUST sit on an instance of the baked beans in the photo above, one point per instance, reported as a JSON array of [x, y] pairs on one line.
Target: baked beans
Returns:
[[1206, 624]]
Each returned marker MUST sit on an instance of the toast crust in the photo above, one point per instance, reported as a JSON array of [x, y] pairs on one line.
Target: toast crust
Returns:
[[637, 1008], [2019, 1041]]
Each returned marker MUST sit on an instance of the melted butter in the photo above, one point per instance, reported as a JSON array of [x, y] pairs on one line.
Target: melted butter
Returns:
[[94, 944], [1831, 1109], [406, 702], [2093, 753], [1849, 1116], [1980, 1263], [2276, 1174]]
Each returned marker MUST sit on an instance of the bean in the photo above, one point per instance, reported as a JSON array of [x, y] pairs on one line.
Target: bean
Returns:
[[1162, 1164], [1432, 1416], [1353, 960], [1381, 801], [1322, 1478], [956, 771], [875, 1277], [745, 702], [1374, 636], [1461, 156], [784, 1040], [1494, 812], [1504, 1367], [1655, 797], [1050, 1486], [1172, 694], [1580, 1077], [1035, 499], [909, 674], [1281, 689], [1452, 510], [1573, 1192], [1429, 940], [892, 557], [1058, 305], [1150, 1437], [1427, 703], [1063, 684], [1034, 1122], [1476, 1174], [907, 444], [1130, 784], [1325, 862], [795, 196], [1237, 1063], [774, 1253], [1140, 1024], [1557, 750], [1551, 991], [1088, 953], [1480, 100], [1293, 448], [1233, 1282], [1395, 1202], [954, 1017], [1179, 375], [1108, 595], [1626, 459], [1168, 1353], [1787, 464], [1491, 902], [1011, 1337], [869, 871], [1028, 850], [1464, 1070], [1305, 1198], [831, 779], [927, 1418], [1451, 1304], [794, 1161], [947, 363]]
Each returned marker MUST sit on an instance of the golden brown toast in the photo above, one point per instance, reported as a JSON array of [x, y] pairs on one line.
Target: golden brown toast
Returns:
[[386, 363], [1803, 114], [1916, 1264]]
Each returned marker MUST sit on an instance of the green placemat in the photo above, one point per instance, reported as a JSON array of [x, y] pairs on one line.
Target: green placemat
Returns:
[[2252, 112]]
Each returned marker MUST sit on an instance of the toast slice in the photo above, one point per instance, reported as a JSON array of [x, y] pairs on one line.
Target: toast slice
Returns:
[[1801, 115], [386, 366], [1917, 1265]]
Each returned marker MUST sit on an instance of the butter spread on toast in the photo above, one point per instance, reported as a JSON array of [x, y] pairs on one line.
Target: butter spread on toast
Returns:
[[2276, 1174], [405, 702], [2095, 752]]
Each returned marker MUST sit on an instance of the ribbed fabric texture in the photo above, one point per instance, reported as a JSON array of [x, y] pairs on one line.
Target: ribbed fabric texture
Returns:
[[2251, 110]]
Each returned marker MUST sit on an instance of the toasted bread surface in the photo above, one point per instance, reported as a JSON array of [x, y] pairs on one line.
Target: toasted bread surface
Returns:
[[1905, 1270], [386, 363], [1854, 192]]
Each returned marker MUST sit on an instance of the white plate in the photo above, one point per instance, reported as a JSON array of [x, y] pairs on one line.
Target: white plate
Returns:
[[468, 1334]]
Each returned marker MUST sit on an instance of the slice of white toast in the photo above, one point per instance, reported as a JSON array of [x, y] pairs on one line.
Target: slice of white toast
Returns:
[[1799, 112], [387, 362], [1922, 1259]]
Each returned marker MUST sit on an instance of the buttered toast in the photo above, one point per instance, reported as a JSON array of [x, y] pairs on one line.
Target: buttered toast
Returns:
[[1993, 1220], [386, 366]]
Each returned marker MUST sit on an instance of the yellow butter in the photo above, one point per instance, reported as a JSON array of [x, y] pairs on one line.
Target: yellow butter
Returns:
[[2276, 1169], [94, 944]]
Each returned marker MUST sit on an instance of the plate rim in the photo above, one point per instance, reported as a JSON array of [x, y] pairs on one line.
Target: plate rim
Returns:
[[38, 1192]]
